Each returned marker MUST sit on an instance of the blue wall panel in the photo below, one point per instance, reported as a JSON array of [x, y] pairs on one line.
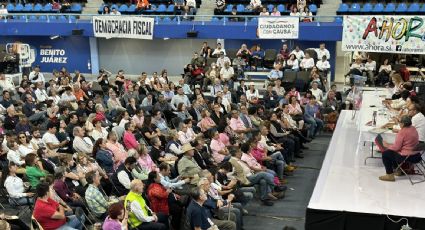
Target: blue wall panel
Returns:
[[240, 30]]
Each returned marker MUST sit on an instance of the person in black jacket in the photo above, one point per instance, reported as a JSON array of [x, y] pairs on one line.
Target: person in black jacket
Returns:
[[47, 163], [202, 156], [122, 177]]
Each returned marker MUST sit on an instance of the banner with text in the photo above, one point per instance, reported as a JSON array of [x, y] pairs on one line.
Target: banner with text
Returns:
[[278, 27], [123, 27], [384, 33]]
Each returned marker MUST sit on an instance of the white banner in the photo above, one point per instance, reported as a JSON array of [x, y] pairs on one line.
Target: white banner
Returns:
[[384, 33], [123, 27], [278, 27]]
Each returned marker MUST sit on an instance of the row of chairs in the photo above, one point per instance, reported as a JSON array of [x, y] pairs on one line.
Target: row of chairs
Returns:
[[280, 7], [379, 8], [155, 9], [38, 8], [44, 18]]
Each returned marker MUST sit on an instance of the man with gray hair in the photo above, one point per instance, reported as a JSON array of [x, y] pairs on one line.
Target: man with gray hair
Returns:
[[81, 144]]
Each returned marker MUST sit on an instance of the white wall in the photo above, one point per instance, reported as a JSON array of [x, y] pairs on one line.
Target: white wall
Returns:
[[135, 56]]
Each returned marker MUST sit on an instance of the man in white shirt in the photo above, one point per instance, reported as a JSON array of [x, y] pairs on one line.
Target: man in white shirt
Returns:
[[50, 140], [322, 51], [370, 68], [139, 210], [180, 97], [221, 60], [115, 12], [307, 63], [226, 74], [40, 92], [317, 93], [13, 155], [299, 54], [35, 76], [81, 144], [6, 84], [217, 51], [418, 120], [323, 66]]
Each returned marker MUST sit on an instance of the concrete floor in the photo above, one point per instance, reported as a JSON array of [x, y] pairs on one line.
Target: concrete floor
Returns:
[[291, 210]]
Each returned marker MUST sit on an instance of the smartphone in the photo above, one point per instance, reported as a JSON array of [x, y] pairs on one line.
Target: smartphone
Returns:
[[128, 206]]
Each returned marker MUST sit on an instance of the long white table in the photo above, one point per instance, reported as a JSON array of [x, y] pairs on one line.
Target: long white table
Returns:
[[345, 183]]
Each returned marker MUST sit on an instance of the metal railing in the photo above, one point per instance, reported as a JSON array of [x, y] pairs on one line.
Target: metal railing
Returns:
[[159, 18]]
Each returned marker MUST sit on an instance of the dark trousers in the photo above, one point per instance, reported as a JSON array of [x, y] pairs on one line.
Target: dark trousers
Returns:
[[161, 224], [392, 159], [289, 145]]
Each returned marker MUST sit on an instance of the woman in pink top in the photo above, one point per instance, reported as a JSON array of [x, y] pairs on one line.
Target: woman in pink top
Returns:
[[116, 148], [129, 139], [295, 110], [219, 150], [403, 147], [206, 122], [145, 160]]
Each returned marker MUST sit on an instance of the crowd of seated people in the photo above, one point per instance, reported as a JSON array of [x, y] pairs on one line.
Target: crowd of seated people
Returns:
[[379, 72], [86, 149], [81, 146]]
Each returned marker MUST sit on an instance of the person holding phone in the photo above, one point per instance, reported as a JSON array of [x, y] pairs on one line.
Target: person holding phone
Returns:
[[117, 218]]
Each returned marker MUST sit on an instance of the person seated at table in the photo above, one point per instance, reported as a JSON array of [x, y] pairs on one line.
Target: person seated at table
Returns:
[[399, 103], [383, 73], [402, 149]]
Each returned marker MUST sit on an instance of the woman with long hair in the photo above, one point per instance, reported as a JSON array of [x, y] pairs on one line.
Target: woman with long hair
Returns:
[[16, 188], [103, 156], [25, 147]]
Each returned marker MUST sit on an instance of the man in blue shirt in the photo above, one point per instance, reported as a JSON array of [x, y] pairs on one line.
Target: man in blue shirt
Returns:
[[196, 213]]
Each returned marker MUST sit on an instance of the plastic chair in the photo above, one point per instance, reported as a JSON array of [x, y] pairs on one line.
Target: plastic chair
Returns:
[[38, 7], [414, 8], [313, 8], [338, 19], [19, 7], [170, 9], [281, 8], [343, 8], [131, 9], [161, 8], [72, 18], [42, 18], [378, 8], [76, 8], [240, 8], [52, 18], [47, 8], [401, 8], [114, 6], [270, 7], [32, 18], [418, 165], [10, 7], [27, 8], [355, 8], [166, 19], [390, 8], [255, 19], [123, 8], [228, 8], [367, 8], [62, 18]]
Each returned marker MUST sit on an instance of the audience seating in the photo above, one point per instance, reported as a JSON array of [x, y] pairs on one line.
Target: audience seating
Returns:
[[75, 8], [380, 8]]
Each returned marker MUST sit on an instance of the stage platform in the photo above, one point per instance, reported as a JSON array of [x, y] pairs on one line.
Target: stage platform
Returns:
[[346, 185]]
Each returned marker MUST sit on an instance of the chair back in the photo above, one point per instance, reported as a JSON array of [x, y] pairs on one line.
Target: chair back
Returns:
[[35, 224]]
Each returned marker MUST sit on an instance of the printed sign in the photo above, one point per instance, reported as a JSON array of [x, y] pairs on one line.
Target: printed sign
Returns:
[[123, 27], [278, 27], [384, 33]]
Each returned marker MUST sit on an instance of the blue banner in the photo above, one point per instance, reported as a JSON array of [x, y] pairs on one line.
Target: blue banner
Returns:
[[72, 52]]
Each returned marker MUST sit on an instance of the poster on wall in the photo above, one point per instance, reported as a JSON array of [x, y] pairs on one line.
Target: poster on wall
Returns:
[[50, 54], [123, 27], [278, 27], [384, 33]]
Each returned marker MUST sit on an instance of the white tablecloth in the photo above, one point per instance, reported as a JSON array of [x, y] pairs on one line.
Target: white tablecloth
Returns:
[[365, 114]]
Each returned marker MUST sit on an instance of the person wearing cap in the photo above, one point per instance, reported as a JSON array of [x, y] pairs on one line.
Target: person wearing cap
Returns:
[[187, 166], [403, 148]]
